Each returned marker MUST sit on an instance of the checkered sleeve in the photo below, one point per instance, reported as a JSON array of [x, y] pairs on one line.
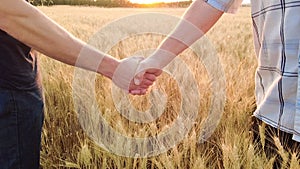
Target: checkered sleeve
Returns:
[[229, 6]]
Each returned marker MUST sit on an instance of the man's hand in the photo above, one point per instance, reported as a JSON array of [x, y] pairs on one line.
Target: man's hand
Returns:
[[152, 65], [125, 73]]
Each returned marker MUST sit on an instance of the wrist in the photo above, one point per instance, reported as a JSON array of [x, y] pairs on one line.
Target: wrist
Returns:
[[108, 67], [160, 58]]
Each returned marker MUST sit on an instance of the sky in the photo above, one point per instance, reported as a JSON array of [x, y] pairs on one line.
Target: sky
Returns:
[[152, 1], [246, 1]]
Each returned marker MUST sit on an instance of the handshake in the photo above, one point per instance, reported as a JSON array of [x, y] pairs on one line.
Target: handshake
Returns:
[[137, 74]]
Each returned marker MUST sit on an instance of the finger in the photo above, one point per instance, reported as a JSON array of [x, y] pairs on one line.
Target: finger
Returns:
[[138, 92], [156, 72], [147, 83], [139, 76], [140, 87], [150, 77], [135, 92]]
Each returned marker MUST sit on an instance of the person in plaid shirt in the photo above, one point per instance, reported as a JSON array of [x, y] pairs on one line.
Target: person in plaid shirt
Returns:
[[23, 27], [276, 26]]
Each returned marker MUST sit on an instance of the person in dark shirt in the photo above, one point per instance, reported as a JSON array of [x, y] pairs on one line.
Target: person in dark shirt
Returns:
[[22, 28]]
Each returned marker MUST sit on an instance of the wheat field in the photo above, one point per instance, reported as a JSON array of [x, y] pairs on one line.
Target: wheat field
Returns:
[[66, 145]]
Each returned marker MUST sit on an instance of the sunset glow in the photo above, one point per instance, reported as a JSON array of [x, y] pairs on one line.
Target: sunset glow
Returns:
[[152, 1], [157, 1]]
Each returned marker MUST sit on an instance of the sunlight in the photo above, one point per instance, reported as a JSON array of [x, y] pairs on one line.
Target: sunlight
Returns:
[[157, 1], [152, 1]]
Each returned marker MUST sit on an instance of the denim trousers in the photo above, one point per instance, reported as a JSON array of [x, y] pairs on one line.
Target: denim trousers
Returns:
[[21, 121]]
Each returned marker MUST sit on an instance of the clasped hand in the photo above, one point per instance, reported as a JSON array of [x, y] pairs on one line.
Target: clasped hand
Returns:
[[136, 74]]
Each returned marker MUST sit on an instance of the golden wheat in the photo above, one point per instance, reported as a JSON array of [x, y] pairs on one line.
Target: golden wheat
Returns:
[[66, 145]]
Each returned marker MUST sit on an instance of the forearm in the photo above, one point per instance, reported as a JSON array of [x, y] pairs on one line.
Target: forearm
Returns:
[[197, 20], [30, 26]]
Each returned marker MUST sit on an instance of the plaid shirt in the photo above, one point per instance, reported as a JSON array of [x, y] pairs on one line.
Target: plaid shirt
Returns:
[[276, 27]]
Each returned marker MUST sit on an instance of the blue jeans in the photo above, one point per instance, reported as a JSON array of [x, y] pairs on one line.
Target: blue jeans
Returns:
[[21, 121]]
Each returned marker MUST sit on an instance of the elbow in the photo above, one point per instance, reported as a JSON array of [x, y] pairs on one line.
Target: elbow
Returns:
[[9, 19], [14, 12], [3, 22]]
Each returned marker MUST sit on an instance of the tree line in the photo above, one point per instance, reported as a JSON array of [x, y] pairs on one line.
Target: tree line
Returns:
[[106, 3]]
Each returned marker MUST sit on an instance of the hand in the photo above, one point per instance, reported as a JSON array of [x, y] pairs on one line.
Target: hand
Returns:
[[152, 65], [148, 66], [124, 74]]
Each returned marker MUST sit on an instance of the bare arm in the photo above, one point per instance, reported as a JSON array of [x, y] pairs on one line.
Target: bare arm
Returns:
[[27, 24], [196, 21], [30, 26]]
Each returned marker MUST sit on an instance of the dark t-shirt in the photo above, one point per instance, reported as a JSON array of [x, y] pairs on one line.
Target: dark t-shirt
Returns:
[[18, 68]]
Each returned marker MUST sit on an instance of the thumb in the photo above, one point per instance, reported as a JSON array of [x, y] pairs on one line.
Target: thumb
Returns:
[[139, 74], [139, 78]]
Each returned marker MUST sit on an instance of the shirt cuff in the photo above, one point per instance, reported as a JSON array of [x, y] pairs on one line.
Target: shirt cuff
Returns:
[[230, 6], [296, 138]]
